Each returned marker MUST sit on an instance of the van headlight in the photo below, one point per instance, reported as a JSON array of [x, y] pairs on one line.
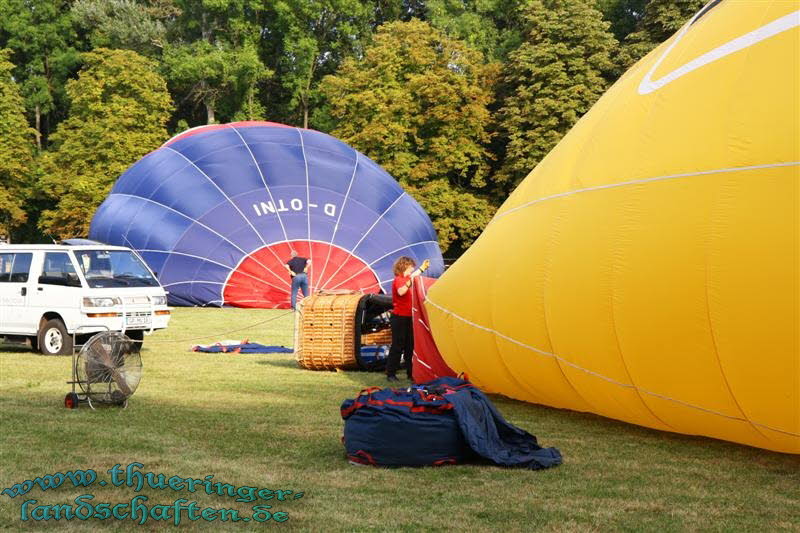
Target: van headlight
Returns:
[[159, 300], [101, 302]]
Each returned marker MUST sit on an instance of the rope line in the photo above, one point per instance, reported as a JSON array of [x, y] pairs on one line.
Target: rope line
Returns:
[[218, 335]]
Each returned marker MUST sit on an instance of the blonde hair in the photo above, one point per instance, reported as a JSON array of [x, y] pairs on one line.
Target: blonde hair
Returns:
[[402, 264]]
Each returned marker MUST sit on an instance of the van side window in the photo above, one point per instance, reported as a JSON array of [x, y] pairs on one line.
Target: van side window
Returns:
[[14, 268], [58, 270]]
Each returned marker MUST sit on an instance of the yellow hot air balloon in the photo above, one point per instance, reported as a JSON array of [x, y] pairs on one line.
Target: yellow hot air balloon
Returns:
[[648, 269]]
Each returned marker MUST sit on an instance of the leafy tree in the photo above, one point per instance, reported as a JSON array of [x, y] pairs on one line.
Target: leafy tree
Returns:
[[213, 59], [219, 21], [119, 109], [45, 49], [490, 26], [208, 48], [551, 80], [417, 104], [624, 15], [208, 73], [16, 151], [134, 25], [661, 19], [393, 10], [308, 39]]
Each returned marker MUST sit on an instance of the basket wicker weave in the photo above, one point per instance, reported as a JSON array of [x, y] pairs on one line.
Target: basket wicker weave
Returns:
[[325, 331], [381, 337]]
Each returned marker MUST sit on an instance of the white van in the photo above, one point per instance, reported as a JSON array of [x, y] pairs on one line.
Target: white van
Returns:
[[50, 291]]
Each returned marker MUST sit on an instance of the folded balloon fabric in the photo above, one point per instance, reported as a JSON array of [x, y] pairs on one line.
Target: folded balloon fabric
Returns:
[[443, 421], [244, 346]]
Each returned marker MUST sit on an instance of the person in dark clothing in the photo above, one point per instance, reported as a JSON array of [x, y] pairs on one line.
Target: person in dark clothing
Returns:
[[402, 330], [298, 270]]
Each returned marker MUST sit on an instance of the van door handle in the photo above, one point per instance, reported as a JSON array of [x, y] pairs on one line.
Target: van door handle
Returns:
[[40, 289], [23, 291]]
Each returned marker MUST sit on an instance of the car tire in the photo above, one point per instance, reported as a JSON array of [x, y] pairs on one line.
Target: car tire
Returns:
[[54, 339]]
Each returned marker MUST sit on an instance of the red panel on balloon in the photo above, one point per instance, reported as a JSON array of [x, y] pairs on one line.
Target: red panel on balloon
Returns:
[[262, 281]]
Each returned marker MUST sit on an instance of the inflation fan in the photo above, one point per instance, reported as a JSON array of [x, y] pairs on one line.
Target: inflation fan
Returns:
[[107, 370]]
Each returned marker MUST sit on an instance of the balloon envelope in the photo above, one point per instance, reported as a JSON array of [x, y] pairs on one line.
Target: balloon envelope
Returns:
[[647, 269], [217, 211]]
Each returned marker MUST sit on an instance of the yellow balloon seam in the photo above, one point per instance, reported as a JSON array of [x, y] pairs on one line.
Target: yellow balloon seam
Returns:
[[430, 302]]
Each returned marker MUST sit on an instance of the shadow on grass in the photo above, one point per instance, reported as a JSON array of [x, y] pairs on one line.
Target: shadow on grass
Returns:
[[562, 424], [639, 437], [18, 348], [307, 436], [261, 421], [151, 428], [608, 464], [304, 429], [283, 363]]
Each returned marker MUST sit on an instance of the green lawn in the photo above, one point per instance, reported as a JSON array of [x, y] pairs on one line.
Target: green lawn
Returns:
[[259, 421]]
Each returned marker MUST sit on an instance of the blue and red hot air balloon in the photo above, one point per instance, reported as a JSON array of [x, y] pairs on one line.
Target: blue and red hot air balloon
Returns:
[[217, 210]]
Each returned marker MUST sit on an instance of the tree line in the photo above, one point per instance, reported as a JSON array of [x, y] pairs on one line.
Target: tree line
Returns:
[[457, 99]]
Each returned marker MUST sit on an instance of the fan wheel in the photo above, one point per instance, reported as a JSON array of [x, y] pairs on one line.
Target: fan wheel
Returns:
[[71, 401]]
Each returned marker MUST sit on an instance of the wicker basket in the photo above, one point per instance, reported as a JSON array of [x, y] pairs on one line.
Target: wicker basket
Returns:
[[381, 337], [325, 331]]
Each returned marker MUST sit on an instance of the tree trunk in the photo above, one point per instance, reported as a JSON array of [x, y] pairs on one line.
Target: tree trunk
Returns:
[[304, 99], [209, 112], [38, 112], [205, 31]]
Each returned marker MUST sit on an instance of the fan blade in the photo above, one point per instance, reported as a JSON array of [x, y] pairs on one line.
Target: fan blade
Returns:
[[116, 375]]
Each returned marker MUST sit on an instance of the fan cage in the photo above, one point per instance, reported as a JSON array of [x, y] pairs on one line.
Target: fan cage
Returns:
[[109, 368]]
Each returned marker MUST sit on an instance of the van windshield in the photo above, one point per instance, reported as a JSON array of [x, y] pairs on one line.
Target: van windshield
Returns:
[[114, 268]]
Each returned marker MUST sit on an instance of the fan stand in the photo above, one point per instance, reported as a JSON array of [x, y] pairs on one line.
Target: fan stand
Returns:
[[88, 400], [75, 397], [123, 405]]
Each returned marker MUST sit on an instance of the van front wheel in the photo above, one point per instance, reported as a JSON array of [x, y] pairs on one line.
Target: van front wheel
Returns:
[[54, 339]]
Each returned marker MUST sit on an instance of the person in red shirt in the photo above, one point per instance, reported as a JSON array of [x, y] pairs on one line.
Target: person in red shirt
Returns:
[[402, 331]]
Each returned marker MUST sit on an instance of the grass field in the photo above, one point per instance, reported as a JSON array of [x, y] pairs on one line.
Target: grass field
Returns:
[[259, 421]]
